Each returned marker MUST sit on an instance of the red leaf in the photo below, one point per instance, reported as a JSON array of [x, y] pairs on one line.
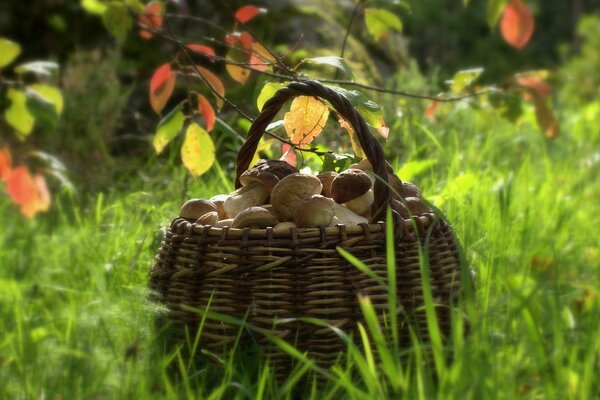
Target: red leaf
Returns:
[[20, 186], [289, 155], [207, 112], [545, 118], [5, 164], [246, 13], [42, 200], [246, 40], [200, 49], [215, 83], [231, 39], [431, 110], [152, 18], [535, 83], [162, 84], [517, 24]]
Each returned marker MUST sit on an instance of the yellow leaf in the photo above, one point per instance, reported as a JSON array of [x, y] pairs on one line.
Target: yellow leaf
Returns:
[[18, 115], [237, 73], [353, 138], [305, 120], [198, 150], [51, 94]]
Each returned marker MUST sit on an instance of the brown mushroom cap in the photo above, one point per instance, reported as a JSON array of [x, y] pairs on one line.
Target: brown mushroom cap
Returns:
[[279, 168], [400, 208], [326, 179], [195, 208], [290, 191], [218, 201], [409, 190], [365, 165], [254, 217], [245, 197], [395, 185], [350, 184], [416, 206], [316, 211], [210, 218], [264, 177]]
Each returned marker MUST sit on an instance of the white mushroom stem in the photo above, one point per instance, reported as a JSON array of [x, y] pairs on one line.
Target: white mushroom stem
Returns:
[[361, 204], [347, 217], [245, 197]]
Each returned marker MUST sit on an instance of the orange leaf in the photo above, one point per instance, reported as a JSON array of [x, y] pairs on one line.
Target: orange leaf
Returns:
[[383, 130], [246, 13], [535, 83], [5, 164], [200, 49], [215, 83], [289, 155], [305, 120], [431, 110], [517, 24], [20, 186], [42, 200], [152, 18], [207, 112], [353, 138], [545, 118], [162, 84]]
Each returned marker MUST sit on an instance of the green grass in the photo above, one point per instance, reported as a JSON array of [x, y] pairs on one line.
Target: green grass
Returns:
[[75, 321]]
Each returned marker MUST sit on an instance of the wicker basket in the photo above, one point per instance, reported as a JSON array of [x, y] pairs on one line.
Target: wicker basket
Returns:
[[263, 276]]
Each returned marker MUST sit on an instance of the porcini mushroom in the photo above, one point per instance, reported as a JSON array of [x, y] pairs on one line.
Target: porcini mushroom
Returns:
[[254, 217], [326, 179], [313, 212], [224, 223], [416, 206], [195, 208], [290, 191], [210, 218], [349, 185], [346, 216], [245, 197], [218, 201], [285, 225], [279, 168], [410, 190], [265, 178], [361, 204]]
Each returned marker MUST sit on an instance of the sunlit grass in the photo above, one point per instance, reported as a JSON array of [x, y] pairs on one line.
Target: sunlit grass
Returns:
[[76, 322]]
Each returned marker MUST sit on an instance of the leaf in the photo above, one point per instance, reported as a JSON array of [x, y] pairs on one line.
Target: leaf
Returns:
[[96, 7], [152, 18], [432, 109], [494, 11], [5, 164], [9, 51], [464, 78], [31, 193], [369, 110], [268, 90], [414, 168], [265, 54], [215, 84], [43, 68], [517, 24], [383, 130], [198, 150], [18, 115], [50, 93], [162, 84], [168, 128], [380, 21], [42, 109], [41, 201], [336, 62], [507, 104], [288, 154], [117, 20], [305, 120], [237, 73], [207, 112], [545, 118], [201, 49], [534, 81], [246, 13], [353, 138]]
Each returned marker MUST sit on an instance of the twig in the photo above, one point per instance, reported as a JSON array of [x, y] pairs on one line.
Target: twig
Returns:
[[348, 27]]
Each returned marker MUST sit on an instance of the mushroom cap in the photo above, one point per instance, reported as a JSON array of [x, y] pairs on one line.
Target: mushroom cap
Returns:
[[290, 191], [395, 185], [279, 168], [316, 211], [416, 206], [245, 197], [195, 208], [365, 165], [264, 177], [210, 218], [218, 201], [350, 184], [224, 222], [400, 208], [254, 217], [326, 179], [409, 190]]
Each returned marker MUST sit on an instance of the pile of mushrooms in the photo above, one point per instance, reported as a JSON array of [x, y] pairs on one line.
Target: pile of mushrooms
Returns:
[[275, 194]]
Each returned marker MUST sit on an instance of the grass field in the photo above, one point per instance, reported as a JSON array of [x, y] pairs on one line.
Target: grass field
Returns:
[[75, 322]]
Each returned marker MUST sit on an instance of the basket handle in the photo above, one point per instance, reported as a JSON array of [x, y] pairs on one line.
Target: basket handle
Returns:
[[346, 110]]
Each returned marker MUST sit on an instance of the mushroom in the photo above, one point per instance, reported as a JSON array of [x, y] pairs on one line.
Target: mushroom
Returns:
[[285, 225], [361, 204], [224, 223], [218, 201], [290, 191], [195, 208], [210, 218], [400, 208], [346, 216], [326, 179], [313, 212], [349, 185], [264, 177], [395, 185], [279, 168], [409, 190], [254, 217], [416, 206], [245, 197]]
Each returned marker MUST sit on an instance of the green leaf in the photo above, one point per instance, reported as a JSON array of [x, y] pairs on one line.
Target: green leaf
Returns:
[[370, 111], [117, 20], [43, 68], [267, 91], [198, 150], [380, 21], [94, 6], [337, 162], [168, 128], [9, 50], [336, 62], [463, 79], [18, 115], [42, 109], [494, 12], [50, 93], [414, 168]]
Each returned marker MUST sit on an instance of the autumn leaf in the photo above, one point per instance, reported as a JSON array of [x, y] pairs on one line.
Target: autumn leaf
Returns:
[[534, 81], [517, 24], [358, 150], [545, 118], [207, 112], [246, 13], [305, 120], [168, 128], [30, 193], [382, 129], [215, 84], [41, 201], [162, 84], [5, 164], [198, 150], [432, 109], [268, 90], [151, 18], [288, 154], [201, 49]]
